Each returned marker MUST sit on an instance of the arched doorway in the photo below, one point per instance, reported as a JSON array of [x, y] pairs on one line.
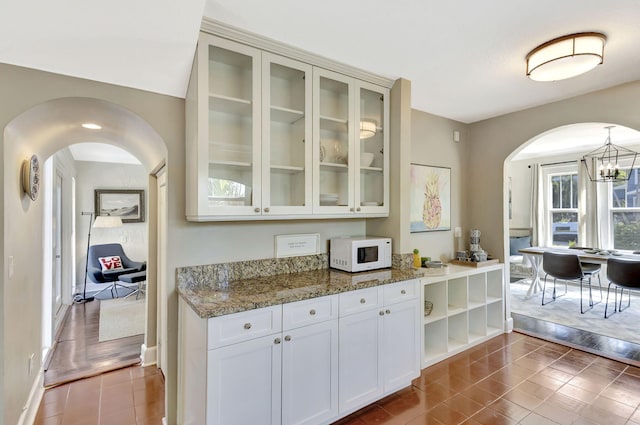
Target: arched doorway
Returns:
[[546, 195], [43, 130]]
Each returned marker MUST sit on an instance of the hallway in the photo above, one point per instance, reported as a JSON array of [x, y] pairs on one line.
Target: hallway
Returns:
[[79, 354]]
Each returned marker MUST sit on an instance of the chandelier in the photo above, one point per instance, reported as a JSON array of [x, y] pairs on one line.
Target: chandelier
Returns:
[[603, 164]]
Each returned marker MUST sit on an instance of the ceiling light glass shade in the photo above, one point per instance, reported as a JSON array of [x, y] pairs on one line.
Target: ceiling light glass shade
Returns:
[[367, 129], [566, 56], [91, 126], [609, 163], [107, 221]]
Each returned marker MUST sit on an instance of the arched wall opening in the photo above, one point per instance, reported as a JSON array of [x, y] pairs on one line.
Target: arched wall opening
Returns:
[[554, 149], [43, 130]]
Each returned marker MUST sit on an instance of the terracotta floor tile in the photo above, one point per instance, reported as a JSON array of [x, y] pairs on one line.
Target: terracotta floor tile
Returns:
[[490, 417], [565, 402], [447, 414], [602, 416], [523, 398], [511, 379], [536, 419], [494, 386], [464, 404], [509, 409], [557, 414], [425, 419], [577, 393], [479, 395]]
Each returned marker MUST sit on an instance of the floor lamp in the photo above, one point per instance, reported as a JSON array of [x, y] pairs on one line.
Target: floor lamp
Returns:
[[101, 221]]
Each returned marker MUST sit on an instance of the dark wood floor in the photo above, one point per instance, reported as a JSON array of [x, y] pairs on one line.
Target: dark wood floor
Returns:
[[79, 354], [606, 346]]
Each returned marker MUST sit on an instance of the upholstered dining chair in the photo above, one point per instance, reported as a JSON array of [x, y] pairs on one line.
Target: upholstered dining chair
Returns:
[[568, 267], [623, 274], [107, 262]]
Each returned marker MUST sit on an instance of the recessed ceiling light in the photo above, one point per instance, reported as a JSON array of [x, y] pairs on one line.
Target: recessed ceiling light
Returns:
[[91, 126]]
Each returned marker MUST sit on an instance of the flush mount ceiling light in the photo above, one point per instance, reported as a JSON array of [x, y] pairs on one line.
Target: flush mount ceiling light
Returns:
[[566, 57], [367, 129], [603, 164], [91, 126]]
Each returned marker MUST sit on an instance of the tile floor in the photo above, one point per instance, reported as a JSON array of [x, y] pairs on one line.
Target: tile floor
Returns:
[[130, 396], [510, 379], [514, 379]]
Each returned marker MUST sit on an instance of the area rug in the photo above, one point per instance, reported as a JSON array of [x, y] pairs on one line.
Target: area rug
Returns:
[[120, 318], [565, 310]]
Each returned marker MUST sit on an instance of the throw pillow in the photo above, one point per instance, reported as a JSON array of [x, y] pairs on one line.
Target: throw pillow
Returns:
[[517, 243], [110, 264]]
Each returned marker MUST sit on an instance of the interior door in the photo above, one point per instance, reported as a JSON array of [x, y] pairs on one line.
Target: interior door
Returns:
[[56, 251]]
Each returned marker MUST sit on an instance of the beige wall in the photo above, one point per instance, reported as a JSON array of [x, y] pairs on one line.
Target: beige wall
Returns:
[[188, 243], [432, 144], [493, 140]]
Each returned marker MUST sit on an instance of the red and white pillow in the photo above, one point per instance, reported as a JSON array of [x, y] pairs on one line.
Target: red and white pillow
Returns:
[[111, 263]]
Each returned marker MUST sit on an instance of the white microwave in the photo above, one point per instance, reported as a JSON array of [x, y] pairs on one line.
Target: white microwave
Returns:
[[361, 253]]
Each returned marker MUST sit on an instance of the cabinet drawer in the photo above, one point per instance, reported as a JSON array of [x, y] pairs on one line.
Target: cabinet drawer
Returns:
[[360, 300], [307, 312], [400, 291], [232, 328]]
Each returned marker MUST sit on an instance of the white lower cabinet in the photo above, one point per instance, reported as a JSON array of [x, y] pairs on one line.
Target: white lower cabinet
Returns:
[[243, 383], [379, 347], [310, 374], [305, 363]]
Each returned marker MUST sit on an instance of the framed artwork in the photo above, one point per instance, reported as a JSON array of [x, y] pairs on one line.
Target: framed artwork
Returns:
[[125, 203], [430, 198]]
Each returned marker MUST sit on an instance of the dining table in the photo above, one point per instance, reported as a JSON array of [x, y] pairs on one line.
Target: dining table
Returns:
[[533, 255]]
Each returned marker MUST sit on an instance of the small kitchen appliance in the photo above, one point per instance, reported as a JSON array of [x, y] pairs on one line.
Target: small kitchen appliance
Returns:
[[360, 253]]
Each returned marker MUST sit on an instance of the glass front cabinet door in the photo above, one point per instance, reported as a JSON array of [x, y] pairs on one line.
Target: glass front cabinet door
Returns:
[[286, 136], [350, 132], [271, 137], [252, 145]]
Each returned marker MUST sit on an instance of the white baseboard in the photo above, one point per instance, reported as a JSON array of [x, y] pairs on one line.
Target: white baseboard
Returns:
[[148, 355], [510, 324], [30, 409]]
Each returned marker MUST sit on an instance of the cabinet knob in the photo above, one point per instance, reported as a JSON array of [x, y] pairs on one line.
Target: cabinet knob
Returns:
[[276, 341], [287, 338], [312, 312], [247, 325], [403, 292], [266, 210], [358, 209], [351, 209], [256, 210], [362, 301], [381, 313], [388, 311]]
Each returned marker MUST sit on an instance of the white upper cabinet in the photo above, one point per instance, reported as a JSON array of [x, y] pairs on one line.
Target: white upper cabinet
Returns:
[[350, 122], [269, 137], [286, 136]]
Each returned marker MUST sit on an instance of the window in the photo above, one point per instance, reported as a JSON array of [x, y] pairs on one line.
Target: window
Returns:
[[624, 213], [561, 204]]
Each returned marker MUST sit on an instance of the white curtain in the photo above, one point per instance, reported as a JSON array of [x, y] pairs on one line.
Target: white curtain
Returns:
[[589, 226], [537, 222]]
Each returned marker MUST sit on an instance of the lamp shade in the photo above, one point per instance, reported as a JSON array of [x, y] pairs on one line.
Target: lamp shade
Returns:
[[107, 221], [367, 129], [566, 56]]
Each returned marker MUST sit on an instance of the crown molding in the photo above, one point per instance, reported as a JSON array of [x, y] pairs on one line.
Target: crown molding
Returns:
[[213, 27]]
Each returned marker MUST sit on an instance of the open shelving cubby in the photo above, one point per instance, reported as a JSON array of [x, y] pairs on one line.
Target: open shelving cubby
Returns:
[[468, 308]]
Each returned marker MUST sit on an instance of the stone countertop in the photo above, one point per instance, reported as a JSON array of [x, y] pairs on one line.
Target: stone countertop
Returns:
[[258, 292]]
